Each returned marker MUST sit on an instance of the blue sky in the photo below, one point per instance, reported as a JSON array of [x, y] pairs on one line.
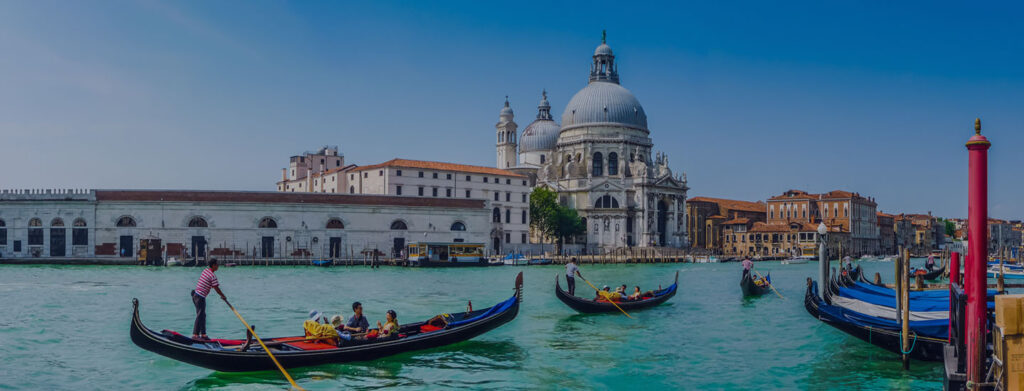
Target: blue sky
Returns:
[[748, 98]]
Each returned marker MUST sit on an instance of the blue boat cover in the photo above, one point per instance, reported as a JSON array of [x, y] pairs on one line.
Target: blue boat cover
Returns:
[[930, 328], [497, 309]]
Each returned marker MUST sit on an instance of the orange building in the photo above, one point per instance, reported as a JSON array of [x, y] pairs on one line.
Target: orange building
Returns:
[[841, 211], [707, 215]]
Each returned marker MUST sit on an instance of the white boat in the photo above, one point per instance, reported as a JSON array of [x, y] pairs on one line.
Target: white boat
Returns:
[[173, 262], [797, 260], [993, 272]]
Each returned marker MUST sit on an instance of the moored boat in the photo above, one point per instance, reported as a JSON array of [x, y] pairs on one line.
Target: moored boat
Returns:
[[292, 352], [928, 274], [751, 288], [594, 306], [322, 262], [1007, 272]]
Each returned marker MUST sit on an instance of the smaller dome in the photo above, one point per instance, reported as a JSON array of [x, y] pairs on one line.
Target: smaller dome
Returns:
[[603, 49], [541, 135]]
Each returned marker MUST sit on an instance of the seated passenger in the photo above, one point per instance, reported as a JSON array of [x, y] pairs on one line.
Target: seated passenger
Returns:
[[338, 322], [603, 293], [621, 290], [390, 327], [316, 331], [637, 295], [357, 323]]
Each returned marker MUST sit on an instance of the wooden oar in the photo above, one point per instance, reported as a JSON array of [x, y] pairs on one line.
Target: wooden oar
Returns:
[[606, 297], [769, 283], [272, 358]]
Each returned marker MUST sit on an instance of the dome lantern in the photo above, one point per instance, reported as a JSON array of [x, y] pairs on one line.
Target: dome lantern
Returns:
[[603, 68]]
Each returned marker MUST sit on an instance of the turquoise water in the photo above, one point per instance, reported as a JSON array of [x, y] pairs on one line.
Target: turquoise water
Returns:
[[66, 327]]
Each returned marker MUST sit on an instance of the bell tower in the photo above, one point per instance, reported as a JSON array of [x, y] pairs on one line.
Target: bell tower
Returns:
[[506, 135]]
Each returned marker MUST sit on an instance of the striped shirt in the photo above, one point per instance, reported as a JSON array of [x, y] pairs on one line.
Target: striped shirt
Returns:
[[206, 281]]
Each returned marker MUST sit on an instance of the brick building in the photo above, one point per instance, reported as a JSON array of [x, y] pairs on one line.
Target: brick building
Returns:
[[708, 214]]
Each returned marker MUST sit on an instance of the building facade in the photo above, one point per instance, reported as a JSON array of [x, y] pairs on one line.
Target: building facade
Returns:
[[113, 223], [505, 193], [602, 163], [840, 210], [708, 215], [887, 244], [315, 172]]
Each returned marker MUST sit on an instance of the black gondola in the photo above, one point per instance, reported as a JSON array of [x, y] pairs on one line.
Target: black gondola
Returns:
[[923, 348], [750, 288], [927, 275], [251, 357], [592, 306]]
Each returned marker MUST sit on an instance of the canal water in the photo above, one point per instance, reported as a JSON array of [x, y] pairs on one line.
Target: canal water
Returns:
[[66, 327]]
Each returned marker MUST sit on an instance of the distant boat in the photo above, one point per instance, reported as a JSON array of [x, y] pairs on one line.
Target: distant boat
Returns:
[[1008, 272], [539, 261], [515, 259], [323, 262], [173, 262], [797, 260]]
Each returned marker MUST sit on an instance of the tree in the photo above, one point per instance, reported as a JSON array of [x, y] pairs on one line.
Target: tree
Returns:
[[950, 228], [551, 219]]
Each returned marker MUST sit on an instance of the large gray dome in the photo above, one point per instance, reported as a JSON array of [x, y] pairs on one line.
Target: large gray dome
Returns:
[[541, 135], [604, 103]]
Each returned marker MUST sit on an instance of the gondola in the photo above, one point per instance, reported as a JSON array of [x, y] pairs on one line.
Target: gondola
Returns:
[[322, 262], [243, 355], [750, 288], [928, 275], [885, 336], [592, 306]]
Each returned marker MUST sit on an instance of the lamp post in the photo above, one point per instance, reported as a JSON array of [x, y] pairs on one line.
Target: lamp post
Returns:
[[822, 260]]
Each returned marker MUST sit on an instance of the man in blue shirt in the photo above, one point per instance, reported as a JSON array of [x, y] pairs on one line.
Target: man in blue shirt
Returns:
[[357, 323]]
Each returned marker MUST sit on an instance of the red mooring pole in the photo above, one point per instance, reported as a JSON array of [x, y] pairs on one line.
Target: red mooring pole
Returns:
[[977, 252], [954, 278]]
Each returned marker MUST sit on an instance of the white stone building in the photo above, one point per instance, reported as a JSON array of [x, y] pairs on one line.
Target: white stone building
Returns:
[[112, 223], [315, 172], [601, 161], [506, 193]]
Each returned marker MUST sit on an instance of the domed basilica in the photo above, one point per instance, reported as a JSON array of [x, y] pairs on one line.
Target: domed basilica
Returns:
[[601, 162]]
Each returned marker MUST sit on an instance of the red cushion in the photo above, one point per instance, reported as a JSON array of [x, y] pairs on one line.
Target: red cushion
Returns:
[[312, 345], [428, 328]]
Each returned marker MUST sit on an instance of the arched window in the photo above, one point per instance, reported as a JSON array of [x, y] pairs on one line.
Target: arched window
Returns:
[[3, 233], [79, 234], [2, 223], [598, 164], [496, 215], [606, 201], [35, 232], [197, 222], [335, 224], [125, 221], [57, 222], [508, 216], [458, 226], [398, 225], [613, 163], [267, 222], [541, 159], [351, 190]]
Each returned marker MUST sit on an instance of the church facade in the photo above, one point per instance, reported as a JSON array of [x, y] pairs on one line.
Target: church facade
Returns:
[[601, 161]]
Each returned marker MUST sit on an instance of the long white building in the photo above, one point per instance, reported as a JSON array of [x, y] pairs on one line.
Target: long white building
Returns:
[[185, 223]]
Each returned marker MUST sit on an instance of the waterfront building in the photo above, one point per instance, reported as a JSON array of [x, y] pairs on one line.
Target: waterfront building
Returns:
[[744, 238], [186, 223], [886, 233], [840, 210], [903, 229], [505, 193], [708, 215], [601, 162], [1001, 234], [321, 171]]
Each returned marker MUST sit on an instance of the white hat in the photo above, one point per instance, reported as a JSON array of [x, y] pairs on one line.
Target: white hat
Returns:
[[337, 321], [315, 315]]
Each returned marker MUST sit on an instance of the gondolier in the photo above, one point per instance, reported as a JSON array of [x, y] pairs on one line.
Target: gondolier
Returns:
[[207, 280], [571, 271]]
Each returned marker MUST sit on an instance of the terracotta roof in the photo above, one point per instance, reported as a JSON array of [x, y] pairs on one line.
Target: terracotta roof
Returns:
[[793, 194], [880, 214], [733, 204], [440, 166], [281, 197], [716, 217], [736, 221]]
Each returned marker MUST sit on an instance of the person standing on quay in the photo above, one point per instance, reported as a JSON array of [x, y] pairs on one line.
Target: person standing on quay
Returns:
[[571, 271], [207, 280]]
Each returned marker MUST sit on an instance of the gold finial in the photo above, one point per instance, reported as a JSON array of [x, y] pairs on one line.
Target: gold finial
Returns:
[[977, 126]]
